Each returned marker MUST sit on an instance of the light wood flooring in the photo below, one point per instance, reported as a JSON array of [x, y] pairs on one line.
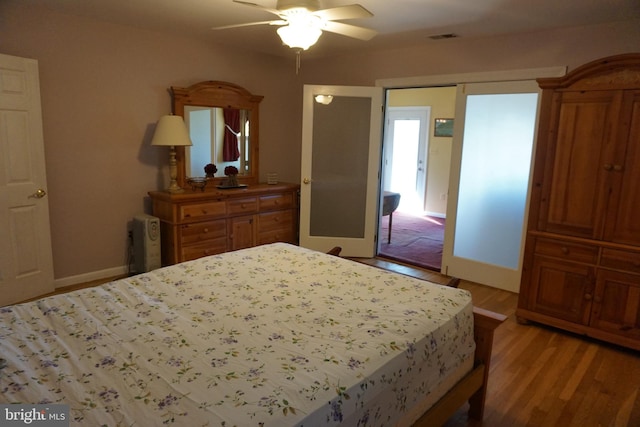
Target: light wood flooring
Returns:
[[541, 376], [545, 377]]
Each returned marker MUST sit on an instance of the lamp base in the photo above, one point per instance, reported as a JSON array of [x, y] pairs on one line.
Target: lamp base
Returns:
[[174, 188]]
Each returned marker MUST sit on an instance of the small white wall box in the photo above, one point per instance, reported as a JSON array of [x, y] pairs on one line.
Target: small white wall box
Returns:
[[146, 243]]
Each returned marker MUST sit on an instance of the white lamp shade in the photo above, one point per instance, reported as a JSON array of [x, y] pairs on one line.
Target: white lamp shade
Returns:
[[299, 36], [171, 131]]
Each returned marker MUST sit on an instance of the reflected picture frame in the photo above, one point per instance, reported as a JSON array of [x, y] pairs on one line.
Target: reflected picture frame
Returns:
[[443, 127]]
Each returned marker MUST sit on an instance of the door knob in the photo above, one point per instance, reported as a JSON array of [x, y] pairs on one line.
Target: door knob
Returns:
[[39, 194], [306, 181]]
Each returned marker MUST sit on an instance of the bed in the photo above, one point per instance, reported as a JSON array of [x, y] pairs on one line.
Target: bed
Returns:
[[275, 335]]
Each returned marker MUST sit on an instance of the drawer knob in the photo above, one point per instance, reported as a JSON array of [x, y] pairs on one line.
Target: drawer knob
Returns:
[[206, 230], [617, 168], [565, 250], [588, 297], [607, 167]]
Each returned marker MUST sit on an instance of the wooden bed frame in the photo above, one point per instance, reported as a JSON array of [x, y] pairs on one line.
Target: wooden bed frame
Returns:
[[473, 386]]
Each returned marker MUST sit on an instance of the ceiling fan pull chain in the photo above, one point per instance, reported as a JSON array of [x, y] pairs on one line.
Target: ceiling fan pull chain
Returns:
[[298, 60]]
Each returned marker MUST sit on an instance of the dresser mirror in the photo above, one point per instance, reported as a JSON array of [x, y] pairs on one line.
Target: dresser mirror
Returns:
[[223, 123]]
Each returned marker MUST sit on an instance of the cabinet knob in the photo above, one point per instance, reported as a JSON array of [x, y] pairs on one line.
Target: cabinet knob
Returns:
[[588, 297], [206, 230], [565, 250], [617, 168], [597, 299], [607, 167]]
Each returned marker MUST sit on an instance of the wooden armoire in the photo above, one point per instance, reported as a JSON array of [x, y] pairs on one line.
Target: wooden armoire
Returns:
[[581, 267]]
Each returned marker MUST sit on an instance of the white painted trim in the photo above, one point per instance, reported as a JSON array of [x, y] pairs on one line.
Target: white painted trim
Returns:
[[480, 77], [89, 277]]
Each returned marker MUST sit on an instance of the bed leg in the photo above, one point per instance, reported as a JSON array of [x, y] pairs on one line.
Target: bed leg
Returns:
[[485, 323]]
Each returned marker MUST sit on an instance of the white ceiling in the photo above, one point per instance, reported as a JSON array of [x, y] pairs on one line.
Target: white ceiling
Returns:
[[398, 22]]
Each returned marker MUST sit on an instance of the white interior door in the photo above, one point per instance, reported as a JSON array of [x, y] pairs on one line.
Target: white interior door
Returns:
[[341, 146], [26, 265], [494, 134]]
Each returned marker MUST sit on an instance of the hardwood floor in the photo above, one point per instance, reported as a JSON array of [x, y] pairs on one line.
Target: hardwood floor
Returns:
[[541, 376], [546, 377]]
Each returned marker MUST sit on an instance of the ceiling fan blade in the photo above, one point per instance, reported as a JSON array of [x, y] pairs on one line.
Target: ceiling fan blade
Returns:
[[249, 24], [353, 11], [349, 30], [247, 3]]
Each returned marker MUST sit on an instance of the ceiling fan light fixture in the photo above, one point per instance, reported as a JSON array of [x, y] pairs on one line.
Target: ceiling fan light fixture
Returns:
[[299, 36]]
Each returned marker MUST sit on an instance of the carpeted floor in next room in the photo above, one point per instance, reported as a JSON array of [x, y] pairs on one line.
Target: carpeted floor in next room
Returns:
[[415, 240]]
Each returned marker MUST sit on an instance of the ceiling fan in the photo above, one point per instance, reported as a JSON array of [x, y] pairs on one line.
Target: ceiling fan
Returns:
[[302, 21]]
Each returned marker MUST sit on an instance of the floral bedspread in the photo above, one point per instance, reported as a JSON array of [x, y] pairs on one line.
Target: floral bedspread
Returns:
[[270, 336]]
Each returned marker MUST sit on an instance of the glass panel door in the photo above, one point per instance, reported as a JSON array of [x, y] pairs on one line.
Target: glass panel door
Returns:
[[340, 169], [491, 163]]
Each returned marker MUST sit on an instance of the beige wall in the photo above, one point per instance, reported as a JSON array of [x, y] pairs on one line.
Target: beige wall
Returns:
[[103, 87], [442, 102]]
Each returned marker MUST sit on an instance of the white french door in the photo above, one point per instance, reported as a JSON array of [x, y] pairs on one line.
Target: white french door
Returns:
[[494, 134], [341, 149], [26, 263]]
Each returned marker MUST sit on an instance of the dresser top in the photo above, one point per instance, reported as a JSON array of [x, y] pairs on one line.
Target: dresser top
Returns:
[[226, 193]]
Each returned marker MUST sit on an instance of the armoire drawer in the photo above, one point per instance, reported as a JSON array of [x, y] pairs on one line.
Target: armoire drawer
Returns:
[[200, 231], [198, 211], [567, 250], [621, 260]]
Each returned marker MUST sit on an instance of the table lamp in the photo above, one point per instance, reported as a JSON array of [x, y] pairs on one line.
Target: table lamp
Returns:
[[172, 132]]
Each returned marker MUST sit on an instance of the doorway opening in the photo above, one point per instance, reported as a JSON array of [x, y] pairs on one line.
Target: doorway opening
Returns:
[[416, 167]]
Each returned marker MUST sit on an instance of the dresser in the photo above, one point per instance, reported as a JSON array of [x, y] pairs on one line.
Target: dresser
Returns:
[[581, 268], [198, 223]]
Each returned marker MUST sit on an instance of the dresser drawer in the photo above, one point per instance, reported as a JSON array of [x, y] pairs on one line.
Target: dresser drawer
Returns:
[[242, 206], [276, 201], [206, 248], [621, 260], [272, 221], [198, 211], [567, 250], [200, 231]]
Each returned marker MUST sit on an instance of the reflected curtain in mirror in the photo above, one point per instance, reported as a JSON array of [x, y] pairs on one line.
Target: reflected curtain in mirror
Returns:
[[230, 151]]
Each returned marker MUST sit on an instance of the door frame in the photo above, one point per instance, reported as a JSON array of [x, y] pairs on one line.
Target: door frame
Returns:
[[460, 79]]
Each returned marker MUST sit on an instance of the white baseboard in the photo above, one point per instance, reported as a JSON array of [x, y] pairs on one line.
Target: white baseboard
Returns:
[[90, 277]]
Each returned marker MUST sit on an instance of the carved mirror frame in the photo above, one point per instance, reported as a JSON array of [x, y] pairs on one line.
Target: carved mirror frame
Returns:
[[220, 94]]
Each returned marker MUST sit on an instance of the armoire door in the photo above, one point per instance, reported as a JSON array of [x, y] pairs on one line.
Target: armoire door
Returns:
[[622, 224], [583, 152]]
